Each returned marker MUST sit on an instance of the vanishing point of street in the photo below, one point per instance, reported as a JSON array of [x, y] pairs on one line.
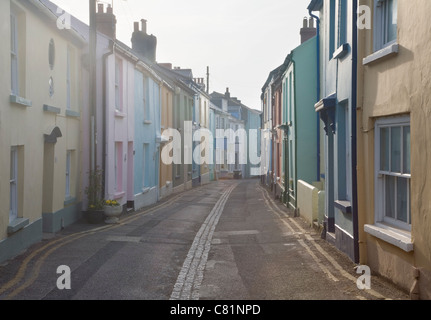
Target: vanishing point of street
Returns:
[[229, 240]]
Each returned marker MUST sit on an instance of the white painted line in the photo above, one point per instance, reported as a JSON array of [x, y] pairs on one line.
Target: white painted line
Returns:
[[191, 275]]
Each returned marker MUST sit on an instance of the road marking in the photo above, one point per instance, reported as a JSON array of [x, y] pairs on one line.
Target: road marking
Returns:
[[124, 239], [191, 275], [65, 240], [236, 233], [319, 248]]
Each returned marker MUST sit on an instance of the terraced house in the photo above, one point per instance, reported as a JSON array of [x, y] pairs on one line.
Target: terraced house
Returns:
[[40, 125], [393, 142], [337, 110]]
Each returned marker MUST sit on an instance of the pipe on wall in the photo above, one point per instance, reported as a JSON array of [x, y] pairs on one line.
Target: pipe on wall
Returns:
[[317, 88], [354, 130]]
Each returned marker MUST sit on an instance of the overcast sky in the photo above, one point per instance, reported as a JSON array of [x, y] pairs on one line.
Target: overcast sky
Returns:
[[240, 40]]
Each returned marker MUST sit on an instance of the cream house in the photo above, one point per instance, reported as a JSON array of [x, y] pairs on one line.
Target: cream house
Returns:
[[394, 140], [40, 120]]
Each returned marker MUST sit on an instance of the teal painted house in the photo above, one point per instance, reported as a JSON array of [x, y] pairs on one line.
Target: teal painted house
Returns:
[[300, 123]]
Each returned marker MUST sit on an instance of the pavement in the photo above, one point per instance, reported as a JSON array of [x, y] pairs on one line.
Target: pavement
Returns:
[[228, 240]]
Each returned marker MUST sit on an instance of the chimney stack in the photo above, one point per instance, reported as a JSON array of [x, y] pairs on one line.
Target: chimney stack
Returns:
[[144, 43], [227, 94], [308, 30], [106, 21], [166, 65]]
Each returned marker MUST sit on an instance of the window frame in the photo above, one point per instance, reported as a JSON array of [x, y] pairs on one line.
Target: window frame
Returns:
[[380, 175], [118, 83], [68, 79], [14, 54], [380, 33], [13, 185]]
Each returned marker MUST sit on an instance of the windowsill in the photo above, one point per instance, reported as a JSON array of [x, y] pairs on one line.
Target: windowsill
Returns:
[[145, 190], [51, 109], [387, 51], [341, 51], [119, 114], [119, 195], [17, 225], [343, 205], [73, 114], [69, 201], [20, 101], [397, 237]]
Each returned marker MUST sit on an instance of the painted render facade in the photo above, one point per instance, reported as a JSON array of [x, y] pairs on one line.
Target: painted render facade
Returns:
[[335, 109], [40, 125], [393, 143]]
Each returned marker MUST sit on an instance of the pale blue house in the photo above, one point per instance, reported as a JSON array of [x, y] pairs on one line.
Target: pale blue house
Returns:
[[147, 120], [147, 140]]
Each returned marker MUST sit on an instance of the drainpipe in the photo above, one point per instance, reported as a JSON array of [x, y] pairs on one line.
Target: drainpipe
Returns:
[[354, 133], [104, 66], [318, 88]]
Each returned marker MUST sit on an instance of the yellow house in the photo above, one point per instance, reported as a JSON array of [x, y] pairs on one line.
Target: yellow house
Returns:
[[40, 108], [394, 140], [165, 176]]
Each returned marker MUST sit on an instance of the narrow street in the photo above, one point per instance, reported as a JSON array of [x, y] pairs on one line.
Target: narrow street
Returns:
[[228, 240]]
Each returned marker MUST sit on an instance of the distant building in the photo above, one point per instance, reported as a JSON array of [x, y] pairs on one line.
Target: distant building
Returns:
[[230, 113]]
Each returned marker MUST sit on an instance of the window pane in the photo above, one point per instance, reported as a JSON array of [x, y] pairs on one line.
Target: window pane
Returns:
[[384, 149], [390, 196], [402, 196], [396, 149], [406, 150], [392, 20]]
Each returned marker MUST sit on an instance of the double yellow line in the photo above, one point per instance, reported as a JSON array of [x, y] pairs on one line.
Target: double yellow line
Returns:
[[46, 250]]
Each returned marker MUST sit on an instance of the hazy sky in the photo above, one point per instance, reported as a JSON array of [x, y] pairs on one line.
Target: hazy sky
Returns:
[[240, 40]]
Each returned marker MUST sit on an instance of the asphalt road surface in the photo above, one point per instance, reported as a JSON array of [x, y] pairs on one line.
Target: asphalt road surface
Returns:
[[229, 240]]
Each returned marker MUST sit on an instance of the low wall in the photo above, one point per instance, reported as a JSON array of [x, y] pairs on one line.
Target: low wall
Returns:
[[308, 201]]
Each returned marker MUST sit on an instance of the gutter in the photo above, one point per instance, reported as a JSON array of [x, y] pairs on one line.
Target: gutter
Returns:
[[318, 88], [354, 132]]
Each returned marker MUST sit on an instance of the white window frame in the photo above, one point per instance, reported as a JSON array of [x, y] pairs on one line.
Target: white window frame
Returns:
[[13, 182], [68, 80], [118, 79], [14, 54], [380, 195], [380, 25], [68, 173], [144, 163]]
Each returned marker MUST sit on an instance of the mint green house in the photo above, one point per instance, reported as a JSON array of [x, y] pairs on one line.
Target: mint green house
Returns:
[[299, 121]]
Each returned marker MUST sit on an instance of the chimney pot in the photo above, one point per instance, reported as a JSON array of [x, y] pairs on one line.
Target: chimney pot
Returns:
[[144, 25], [136, 26], [311, 23], [305, 22], [106, 22]]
